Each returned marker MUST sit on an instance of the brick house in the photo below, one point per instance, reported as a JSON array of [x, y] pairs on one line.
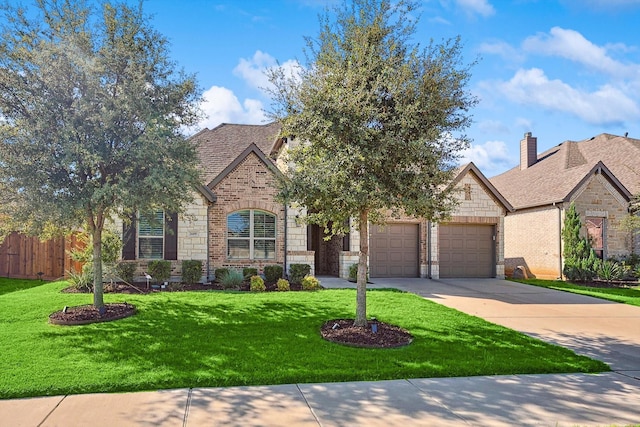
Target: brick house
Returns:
[[236, 222], [599, 175]]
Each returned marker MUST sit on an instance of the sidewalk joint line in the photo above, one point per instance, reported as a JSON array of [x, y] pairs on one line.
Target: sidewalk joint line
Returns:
[[54, 408], [309, 405], [187, 408]]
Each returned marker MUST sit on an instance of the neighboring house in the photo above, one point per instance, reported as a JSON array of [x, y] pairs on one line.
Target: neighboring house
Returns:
[[236, 222], [599, 175]]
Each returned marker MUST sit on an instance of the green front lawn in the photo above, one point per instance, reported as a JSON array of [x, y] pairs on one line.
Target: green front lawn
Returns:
[[204, 339], [13, 285], [629, 296]]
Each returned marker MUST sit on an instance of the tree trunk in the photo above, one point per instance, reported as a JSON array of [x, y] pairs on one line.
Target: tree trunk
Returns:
[[361, 295], [96, 234]]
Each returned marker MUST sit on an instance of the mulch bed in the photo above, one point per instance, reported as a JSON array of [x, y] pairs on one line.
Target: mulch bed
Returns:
[[342, 331], [86, 314]]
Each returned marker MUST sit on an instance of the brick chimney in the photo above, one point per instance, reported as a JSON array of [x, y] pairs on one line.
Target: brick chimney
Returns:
[[528, 151]]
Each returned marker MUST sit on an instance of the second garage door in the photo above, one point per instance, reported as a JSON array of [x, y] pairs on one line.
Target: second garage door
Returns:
[[394, 251], [466, 250]]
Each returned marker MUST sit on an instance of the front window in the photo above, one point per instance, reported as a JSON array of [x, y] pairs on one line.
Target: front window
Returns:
[[251, 234], [151, 236]]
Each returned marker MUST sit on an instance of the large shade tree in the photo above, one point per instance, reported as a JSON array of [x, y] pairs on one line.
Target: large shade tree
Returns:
[[91, 112], [380, 121]]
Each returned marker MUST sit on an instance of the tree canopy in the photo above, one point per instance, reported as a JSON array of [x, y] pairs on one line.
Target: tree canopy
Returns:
[[379, 119], [91, 112]]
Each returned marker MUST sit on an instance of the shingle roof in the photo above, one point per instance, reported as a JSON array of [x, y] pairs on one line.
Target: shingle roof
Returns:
[[560, 169], [218, 147]]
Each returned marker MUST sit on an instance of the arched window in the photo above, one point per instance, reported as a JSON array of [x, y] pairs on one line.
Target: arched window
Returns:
[[251, 234]]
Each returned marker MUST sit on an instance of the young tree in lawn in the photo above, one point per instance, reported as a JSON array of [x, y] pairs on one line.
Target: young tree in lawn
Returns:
[[380, 122], [91, 112]]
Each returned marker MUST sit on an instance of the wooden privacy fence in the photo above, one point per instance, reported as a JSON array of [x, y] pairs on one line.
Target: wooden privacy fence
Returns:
[[25, 256]]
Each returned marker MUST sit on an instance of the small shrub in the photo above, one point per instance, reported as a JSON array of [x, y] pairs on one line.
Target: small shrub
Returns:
[[636, 272], [257, 284], [353, 272], [249, 272], [610, 270], [82, 281], [159, 270], [126, 270], [176, 287], [283, 285], [191, 271], [233, 279], [297, 272], [220, 273], [272, 273], [310, 283]]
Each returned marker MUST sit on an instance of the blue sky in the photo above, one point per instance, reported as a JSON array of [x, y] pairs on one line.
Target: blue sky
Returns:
[[563, 70]]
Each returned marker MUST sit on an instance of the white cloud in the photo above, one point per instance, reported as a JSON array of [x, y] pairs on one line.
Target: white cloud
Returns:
[[253, 70], [503, 49], [480, 7], [491, 157], [607, 105], [524, 124], [572, 45], [439, 20], [221, 105]]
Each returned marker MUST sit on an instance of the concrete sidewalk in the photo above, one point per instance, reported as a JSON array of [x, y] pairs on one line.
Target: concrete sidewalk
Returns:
[[597, 328], [528, 400]]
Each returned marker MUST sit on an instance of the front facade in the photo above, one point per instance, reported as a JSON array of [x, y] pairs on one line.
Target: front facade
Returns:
[[235, 221], [589, 174]]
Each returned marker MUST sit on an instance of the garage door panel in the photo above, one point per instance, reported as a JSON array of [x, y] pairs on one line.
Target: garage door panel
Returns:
[[466, 250], [394, 251]]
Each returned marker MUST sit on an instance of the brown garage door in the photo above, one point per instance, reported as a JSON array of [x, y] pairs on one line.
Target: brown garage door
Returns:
[[466, 250], [394, 251]]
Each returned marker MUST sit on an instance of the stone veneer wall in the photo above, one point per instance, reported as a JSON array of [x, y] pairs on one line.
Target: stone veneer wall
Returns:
[[598, 198], [297, 252], [251, 185]]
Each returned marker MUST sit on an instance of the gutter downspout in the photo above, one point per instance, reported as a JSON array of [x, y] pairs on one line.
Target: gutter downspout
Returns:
[[559, 240], [286, 223], [429, 249], [208, 241]]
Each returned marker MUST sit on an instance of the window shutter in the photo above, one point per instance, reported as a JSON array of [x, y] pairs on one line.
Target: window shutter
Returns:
[[171, 236], [129, 240], [346, 239], [346, 242]]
